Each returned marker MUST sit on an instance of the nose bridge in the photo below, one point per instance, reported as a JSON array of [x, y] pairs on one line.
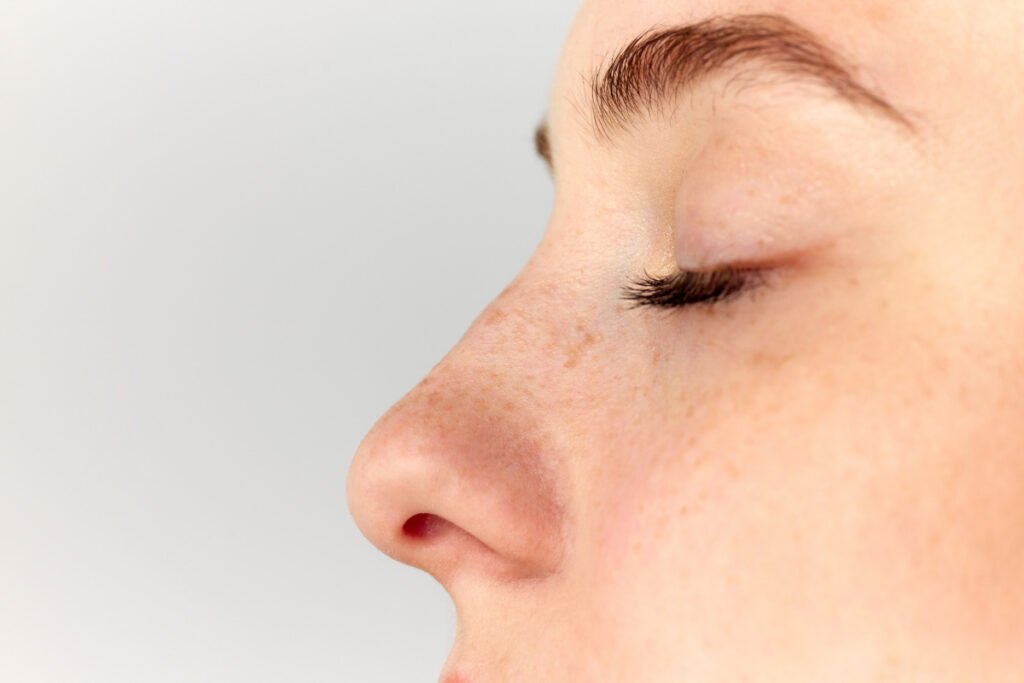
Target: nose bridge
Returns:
[[460, 474]]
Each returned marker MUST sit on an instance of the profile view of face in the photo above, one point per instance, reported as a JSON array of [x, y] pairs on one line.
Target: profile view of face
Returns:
[[752, 411]]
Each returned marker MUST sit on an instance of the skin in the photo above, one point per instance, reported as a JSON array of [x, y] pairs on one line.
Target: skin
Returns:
[[819, 480]]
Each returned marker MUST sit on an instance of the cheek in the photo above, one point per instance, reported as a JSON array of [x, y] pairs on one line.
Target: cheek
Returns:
[[851, 465]]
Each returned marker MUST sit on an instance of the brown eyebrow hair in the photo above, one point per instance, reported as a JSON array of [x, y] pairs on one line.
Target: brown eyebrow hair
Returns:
[[658, 64], [542, 144]]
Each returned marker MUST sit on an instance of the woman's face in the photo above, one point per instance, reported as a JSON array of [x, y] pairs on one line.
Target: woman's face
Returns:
[[817, 477]]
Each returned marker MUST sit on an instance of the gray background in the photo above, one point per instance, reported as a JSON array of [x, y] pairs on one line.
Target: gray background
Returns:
[[231, 234]]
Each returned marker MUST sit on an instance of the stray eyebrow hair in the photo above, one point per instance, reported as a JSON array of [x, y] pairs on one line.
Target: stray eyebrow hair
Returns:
[[658, 64]]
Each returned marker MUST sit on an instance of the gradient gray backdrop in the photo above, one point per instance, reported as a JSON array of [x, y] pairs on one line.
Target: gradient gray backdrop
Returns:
[[231, 234]]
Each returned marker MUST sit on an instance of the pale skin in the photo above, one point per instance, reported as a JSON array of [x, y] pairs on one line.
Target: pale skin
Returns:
[[821, 479]]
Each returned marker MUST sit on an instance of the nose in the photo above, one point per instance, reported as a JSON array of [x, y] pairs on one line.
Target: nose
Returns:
[[460, 476]]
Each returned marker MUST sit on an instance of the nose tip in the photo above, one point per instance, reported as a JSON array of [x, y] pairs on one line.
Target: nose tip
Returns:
[[457, 479]]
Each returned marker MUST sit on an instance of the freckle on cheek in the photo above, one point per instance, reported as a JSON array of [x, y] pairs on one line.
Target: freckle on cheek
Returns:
[[578, 349]]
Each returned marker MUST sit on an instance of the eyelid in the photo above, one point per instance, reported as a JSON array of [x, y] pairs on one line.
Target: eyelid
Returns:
[[692, 288]]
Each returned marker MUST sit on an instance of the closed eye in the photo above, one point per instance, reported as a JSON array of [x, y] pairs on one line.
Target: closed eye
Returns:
[[692, 288]]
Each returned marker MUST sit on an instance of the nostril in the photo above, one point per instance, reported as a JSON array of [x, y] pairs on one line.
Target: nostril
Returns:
[[440, 547], [422, 526]]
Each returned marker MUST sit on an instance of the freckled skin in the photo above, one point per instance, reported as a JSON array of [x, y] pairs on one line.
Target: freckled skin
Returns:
[[581, 343], [821, 480]]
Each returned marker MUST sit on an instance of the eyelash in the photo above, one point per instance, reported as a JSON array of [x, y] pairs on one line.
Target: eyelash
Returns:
[[692, 288]]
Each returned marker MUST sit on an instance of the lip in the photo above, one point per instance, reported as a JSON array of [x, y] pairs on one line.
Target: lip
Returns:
[[455, 678]]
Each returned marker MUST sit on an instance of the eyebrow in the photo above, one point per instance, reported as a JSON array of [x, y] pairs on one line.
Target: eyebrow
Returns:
[[657, 65]]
